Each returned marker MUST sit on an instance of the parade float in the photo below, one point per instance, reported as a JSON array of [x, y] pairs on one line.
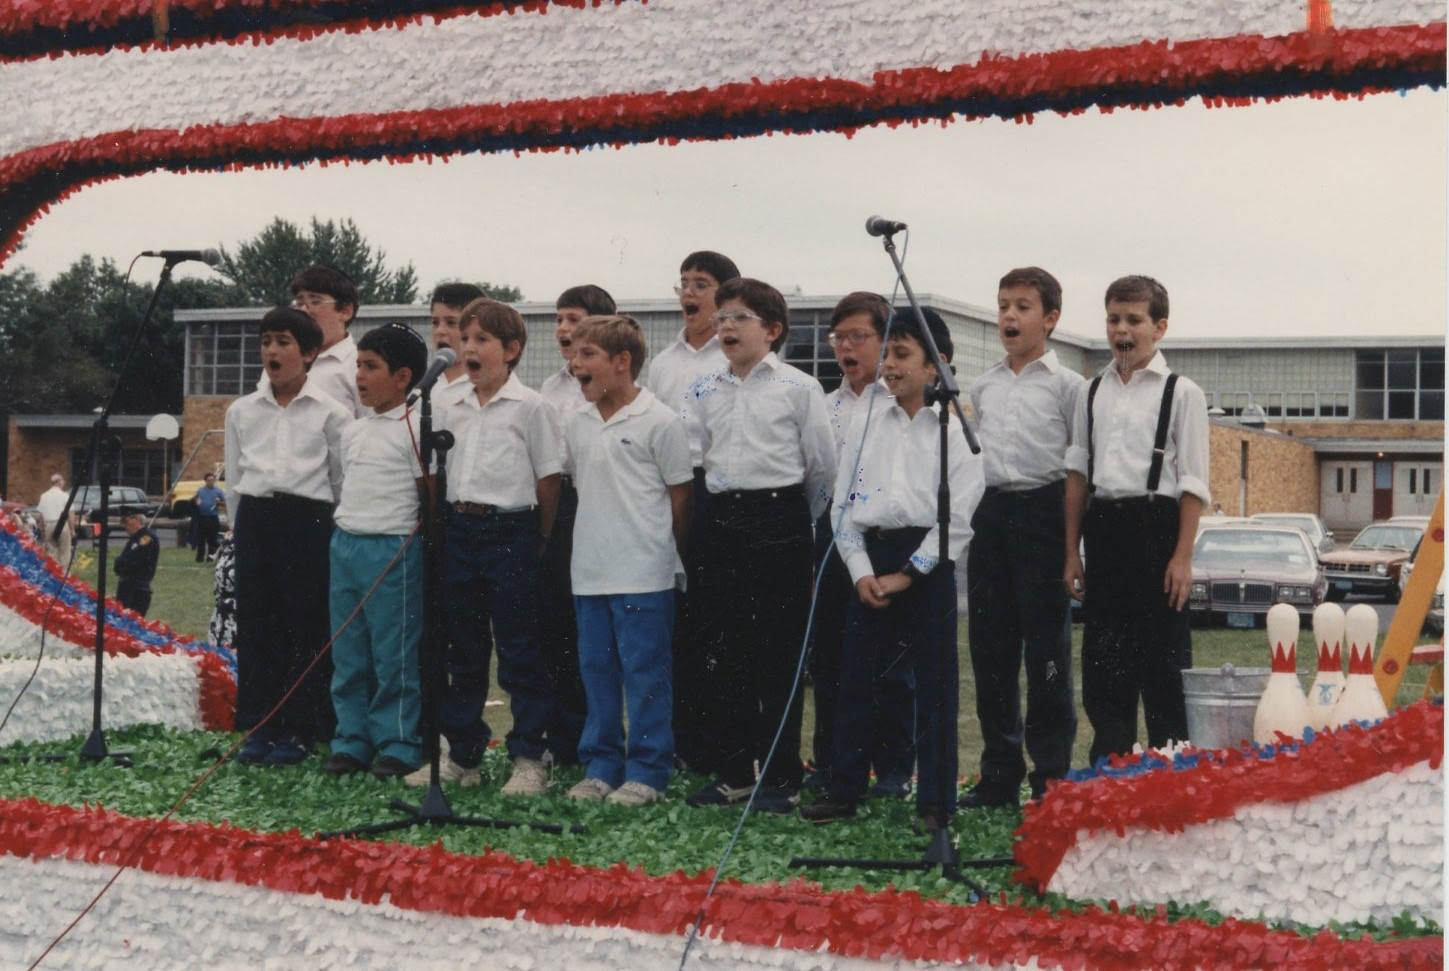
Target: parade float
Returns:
[[1325, 852]]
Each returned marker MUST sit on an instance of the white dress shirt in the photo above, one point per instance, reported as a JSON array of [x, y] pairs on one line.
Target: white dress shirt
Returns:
[[380, 468], [1125, 429], [295, 450], [561, 392], [500, 449], [767, 431], [1025, 421], [894, 485], [622, 468], [51, 504], [447, 392], [674, 369], [842, 404]]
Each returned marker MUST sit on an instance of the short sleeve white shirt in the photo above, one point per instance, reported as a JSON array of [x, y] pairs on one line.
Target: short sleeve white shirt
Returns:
[[674, 369], [624, 533], [766, 431], [1124, 429], [52, 504], [295, 450], [1025, 421], [447, 392], [894, 485], [501, 449], [380, 470]]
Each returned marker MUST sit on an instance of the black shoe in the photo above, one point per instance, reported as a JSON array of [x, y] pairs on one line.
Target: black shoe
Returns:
[[253, 751], [981, 797], [1038, 789], [890, 787], [782, 802], [287, 750], [389, 767], [340, 763], [717, 792], [817, 781], [827, 810]]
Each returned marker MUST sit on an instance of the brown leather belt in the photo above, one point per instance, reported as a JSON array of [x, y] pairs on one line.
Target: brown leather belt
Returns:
[[474, 508]]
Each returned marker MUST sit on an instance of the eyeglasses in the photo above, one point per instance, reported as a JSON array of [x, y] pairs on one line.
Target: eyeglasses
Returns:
[[853, 339], [693, 286], [732, 317], [302, 303]]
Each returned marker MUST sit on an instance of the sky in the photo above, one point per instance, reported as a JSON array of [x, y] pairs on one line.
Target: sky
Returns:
[[1299, 218]]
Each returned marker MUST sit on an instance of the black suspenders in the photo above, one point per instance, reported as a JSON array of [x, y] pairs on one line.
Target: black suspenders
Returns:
[[1159, 445]]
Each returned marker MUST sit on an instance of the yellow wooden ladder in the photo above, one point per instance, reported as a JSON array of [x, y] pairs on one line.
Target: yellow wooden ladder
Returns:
[[1398, 651]]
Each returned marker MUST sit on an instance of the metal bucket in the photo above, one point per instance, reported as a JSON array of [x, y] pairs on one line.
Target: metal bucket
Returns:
[[1221, 703]]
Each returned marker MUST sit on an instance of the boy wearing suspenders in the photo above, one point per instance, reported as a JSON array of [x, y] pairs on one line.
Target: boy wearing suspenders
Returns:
[[1140, 451]]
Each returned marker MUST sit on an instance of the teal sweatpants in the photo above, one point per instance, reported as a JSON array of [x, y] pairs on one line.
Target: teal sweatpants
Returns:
[[375, 686]]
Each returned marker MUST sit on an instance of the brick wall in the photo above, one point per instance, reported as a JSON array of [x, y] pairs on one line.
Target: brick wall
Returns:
[[1282, 472], [37, 453], [1431, 430], [200, 415]]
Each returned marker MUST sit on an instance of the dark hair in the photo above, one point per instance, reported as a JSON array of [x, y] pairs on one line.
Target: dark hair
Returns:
[[717, 265], [293, 321], [594, 301], [863, 302], [328, 280], [499, 320], [763, 299], [614, 334], [455, 295], [1133, 288], [904, 324], [400, 346], [1046, 286]]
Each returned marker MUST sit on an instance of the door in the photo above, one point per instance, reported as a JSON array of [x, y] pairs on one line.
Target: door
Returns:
[[1383, 489]]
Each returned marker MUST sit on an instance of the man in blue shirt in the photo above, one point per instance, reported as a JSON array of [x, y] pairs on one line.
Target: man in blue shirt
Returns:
[[209, 500]]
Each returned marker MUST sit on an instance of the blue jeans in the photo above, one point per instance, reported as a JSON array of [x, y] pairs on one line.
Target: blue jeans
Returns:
[[490, 597], [624, 644], [375, 688]]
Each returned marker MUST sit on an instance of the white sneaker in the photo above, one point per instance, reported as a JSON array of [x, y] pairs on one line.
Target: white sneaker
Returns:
[[635, 794], [529, 778], [448, 771], [591, 790]]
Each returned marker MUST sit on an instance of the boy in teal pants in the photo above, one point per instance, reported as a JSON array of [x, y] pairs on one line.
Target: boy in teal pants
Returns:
[[375, 688]]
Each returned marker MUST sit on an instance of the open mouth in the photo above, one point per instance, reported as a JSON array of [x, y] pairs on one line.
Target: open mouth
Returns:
[[473, 367], [849, 362], [274, 365], [1012, 331], [584, 379], [565, 343], [690, 309], [729, 341]]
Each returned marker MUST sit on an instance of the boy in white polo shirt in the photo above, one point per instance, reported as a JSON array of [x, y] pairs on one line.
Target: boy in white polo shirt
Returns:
[[630, 459], [375, 688]]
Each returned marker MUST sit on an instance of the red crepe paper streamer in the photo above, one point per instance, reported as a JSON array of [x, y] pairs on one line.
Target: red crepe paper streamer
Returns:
[[1172, 800], [1225, 71]]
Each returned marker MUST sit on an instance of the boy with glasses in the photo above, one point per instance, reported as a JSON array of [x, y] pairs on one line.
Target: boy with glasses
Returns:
[[769, 464], [329, 297], [857, 328], [694, 352]]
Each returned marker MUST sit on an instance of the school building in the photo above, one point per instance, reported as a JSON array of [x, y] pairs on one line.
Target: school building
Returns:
[[1350, 428]]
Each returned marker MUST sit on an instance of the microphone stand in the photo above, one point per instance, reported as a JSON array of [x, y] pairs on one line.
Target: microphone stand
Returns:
[[105, 449], [434, 808], [941, 852]]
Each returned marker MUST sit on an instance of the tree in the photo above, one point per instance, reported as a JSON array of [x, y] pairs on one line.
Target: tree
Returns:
[[502, 292], [262, 268]]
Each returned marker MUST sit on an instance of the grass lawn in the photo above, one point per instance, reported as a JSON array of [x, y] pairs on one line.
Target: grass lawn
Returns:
[[183, 598]]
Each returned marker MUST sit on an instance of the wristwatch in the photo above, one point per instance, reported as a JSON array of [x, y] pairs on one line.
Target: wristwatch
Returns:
[[913, 571]]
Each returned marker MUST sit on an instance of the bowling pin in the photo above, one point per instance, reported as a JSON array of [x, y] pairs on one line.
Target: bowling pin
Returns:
[[1282, 708], [1360, 700], [1328, 683]]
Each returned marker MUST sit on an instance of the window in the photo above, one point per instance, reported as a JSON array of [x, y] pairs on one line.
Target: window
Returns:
[[1404, 384], [807, 347], [222, 359]]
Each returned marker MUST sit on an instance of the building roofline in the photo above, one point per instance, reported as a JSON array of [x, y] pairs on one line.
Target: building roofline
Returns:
[[81, 421]]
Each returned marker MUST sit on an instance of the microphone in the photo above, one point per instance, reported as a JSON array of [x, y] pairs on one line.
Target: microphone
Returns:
[[208, 256], [444, 359], [880, 226]]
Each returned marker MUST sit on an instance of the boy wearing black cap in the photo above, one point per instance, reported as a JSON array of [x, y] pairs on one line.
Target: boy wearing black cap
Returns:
[[375, 689], [283, 477], [888, 536], [136, 563]]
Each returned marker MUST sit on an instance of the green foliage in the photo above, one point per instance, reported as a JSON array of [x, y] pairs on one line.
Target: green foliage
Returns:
[[262, 268], [502, 292]]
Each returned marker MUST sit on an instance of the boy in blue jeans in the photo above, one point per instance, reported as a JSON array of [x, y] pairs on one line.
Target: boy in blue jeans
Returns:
[[503, 486], [630, 458], [375, 689]]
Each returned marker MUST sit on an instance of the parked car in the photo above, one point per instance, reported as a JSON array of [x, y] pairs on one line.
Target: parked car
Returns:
[[1434, 622], [1318, 533], [1372, 562], [87, 503], [1239, 571]]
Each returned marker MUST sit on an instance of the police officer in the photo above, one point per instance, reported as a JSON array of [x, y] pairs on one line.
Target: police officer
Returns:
[[136, 563]]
